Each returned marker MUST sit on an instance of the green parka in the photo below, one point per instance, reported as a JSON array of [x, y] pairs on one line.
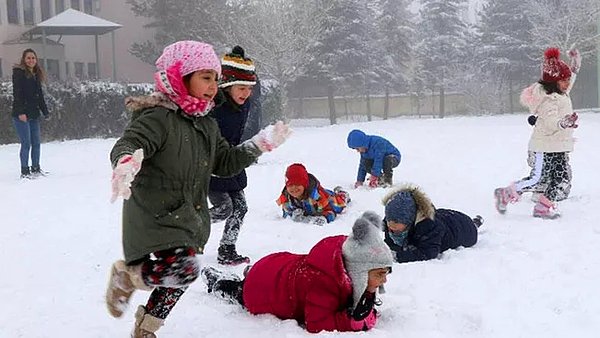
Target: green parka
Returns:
[[168, 205]]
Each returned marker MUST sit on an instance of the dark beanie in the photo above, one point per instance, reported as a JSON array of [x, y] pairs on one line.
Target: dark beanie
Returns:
[[401, 208]]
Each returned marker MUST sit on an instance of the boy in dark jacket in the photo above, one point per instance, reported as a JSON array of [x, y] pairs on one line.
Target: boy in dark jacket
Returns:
[[378, 157], [227, 194], [332, 288], [305, 200], [416, 231]]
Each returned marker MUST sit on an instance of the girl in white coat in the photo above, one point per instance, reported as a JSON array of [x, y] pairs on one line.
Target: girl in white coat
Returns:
[[552, 137]]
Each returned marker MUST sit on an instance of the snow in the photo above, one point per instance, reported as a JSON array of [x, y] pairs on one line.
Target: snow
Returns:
[[74, 18], [525, 277]]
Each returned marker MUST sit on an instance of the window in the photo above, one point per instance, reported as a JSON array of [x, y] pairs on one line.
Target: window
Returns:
[[28, 12], [88, 6], [52, 69], [12, 11], [92, 70], [59, 6], [78, 70], [75, 4], [45, 7]]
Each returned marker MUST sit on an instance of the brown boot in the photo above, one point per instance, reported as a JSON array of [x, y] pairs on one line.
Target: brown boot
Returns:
[[121, 284], [145, 324]]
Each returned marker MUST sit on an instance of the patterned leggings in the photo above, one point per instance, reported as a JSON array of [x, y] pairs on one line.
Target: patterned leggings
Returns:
[[231, 207], [550, 174], [171, 272]]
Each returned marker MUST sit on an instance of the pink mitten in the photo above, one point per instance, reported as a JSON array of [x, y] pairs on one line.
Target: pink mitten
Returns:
[[569, 121], [271, 137], [374, 181], [365, 324], [575, 59], [127, 167]]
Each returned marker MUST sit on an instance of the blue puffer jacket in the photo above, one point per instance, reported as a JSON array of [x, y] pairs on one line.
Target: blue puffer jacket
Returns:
[[231, 119], [377, 149], [434, 231]]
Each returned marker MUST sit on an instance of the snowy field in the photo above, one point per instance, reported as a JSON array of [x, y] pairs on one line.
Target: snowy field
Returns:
[[525, 277]]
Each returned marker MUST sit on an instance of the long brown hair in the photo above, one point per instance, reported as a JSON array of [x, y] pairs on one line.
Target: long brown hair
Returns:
[[38, 71]]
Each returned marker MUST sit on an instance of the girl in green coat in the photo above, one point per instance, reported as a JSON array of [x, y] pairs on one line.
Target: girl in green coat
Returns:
[[162, 168]]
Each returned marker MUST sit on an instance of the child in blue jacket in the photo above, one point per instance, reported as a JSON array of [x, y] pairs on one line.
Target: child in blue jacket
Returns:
[[378, 156]]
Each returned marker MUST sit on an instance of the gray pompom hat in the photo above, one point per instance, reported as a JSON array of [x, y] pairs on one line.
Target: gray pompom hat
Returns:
[[365, 250]]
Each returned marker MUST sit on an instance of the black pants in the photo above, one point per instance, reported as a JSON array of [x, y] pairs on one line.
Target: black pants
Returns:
[[230, 207], [389, 163]]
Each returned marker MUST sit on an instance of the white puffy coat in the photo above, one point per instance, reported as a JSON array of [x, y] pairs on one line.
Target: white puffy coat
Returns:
[[548, 136]]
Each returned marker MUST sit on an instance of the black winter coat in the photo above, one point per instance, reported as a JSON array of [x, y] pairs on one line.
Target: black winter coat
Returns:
[[231, 119], [435, 231], [28, 98]]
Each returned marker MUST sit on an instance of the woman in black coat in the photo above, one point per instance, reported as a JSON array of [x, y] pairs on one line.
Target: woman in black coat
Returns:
[[416, 231], [28, 107]]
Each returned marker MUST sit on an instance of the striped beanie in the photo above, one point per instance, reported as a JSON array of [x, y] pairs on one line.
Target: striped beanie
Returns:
[[237, 69]]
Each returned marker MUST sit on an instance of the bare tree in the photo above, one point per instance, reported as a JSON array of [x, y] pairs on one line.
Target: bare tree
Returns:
[[278, 35], [566, 24]]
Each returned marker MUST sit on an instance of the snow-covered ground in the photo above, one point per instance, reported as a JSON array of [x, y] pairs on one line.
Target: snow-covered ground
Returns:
[[525, 277]]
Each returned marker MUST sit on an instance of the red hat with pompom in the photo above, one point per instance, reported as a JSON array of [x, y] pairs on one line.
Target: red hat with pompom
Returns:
[[553, 68], [296, 174]]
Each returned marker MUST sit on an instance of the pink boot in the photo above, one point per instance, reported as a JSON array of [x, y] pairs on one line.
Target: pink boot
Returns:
[[545, 209], [504, 196]]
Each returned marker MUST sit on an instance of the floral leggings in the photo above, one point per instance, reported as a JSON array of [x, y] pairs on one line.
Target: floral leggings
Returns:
[[171, 273]]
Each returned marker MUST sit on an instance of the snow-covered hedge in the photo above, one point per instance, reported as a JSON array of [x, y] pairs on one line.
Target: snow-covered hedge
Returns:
[[77, 110]]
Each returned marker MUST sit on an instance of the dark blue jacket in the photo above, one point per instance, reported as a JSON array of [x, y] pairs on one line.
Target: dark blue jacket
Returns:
[[28, 98], [231, 119], [449, 229], [377, 149]]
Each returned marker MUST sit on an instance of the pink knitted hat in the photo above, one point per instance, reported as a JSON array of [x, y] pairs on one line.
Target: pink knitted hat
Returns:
[[178, 60]]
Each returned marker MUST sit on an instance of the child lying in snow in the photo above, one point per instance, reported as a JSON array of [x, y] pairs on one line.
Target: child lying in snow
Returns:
[[333, 287], [305, 200]]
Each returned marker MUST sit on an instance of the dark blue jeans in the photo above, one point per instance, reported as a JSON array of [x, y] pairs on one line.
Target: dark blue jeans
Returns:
[[29, 135]]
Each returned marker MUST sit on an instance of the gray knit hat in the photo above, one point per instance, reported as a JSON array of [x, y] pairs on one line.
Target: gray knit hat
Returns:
[[365, 250]]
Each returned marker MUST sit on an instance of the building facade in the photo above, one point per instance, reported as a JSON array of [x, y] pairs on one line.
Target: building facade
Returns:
[[73, 57]]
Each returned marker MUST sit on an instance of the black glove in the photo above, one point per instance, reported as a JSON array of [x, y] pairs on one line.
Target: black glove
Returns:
[[532, 119], [364, 306]]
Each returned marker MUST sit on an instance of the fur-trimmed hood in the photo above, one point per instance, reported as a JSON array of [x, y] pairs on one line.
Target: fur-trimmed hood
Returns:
[[425, 208], [533, 96], [156, 99]]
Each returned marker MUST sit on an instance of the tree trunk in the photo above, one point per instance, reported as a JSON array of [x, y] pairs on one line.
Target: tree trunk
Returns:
[[332, 115], [369, 112], [442, 102], [510, 95], [386, 104], [301, 103]]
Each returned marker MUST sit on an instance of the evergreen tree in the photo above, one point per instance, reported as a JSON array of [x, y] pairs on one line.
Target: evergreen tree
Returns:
[[396, 28], [507, 54], [443, 41], [341, 54]]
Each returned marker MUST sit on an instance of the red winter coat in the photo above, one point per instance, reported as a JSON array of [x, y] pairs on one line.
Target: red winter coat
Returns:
[[314, 289]]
